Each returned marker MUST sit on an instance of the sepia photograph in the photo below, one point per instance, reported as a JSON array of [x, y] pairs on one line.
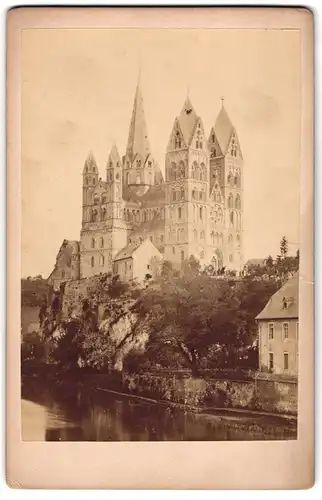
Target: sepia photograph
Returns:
[[160, 230], [160, 234]]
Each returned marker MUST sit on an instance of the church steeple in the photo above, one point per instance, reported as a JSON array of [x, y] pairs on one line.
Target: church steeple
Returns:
[[138, 142]]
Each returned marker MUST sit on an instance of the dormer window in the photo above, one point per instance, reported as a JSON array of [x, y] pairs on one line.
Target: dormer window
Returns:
[[284, 302]]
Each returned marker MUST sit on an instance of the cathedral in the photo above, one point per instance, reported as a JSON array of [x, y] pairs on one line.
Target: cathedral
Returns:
[[195, 208]]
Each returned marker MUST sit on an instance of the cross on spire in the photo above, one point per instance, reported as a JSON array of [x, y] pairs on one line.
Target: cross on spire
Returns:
[[222, 101]]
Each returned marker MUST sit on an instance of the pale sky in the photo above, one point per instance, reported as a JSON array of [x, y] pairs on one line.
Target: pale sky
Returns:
[[77, 95]]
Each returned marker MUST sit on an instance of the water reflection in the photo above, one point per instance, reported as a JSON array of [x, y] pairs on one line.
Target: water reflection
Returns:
[[78, 413]]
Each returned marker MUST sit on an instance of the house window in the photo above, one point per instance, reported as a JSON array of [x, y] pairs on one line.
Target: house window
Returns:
[[271, 361], [285, 330], [271, 331], [285, 360], [102, 260], [92, 261]]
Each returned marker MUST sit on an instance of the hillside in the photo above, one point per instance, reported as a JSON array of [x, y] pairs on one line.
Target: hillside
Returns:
[[33, 292]]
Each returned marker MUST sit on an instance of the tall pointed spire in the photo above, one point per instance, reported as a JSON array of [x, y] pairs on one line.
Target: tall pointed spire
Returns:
[[223, 128], [138, 142], [187, 120]]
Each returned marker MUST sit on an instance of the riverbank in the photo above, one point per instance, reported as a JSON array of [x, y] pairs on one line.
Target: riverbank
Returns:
[[76, 410], [199, 395]]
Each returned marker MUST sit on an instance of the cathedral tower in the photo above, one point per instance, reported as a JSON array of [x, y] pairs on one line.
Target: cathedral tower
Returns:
[[226, 171], [103, 231], [186, 188], [139, 168]]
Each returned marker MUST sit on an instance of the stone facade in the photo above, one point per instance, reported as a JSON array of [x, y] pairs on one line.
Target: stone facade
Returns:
[[196, 210]]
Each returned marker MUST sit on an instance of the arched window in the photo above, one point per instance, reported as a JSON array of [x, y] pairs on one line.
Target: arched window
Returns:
[[182, 255], [182, 193], [212, 235], [117, 176], [102, 260], [195, 235], [237, 202], [197, 144], [232, 219], [93, 242], [86, 181], [173, 250], [202, 235], [200, 213], [101, 242], [173, 195], [92, 261], [179, 212], [193, 194], [213, 139], [238, 239], [127, 177], [230, 239], [230, 201], [137, 216]]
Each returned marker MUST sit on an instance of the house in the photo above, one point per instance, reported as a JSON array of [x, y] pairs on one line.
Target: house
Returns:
[[137, 261], [278, 327]]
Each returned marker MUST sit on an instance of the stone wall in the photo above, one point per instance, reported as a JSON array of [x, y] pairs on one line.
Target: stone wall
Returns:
[[262, 395], [74, 292]]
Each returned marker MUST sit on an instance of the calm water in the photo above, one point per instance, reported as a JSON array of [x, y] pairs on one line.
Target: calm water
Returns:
[[76, 413]]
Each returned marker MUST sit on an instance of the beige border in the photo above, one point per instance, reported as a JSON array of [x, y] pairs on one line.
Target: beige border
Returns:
[[164, 465]]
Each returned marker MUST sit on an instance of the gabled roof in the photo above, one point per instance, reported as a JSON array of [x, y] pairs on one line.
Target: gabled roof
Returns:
[[138, 142], [127, 251], [187, 121], [223, 129], [284, 303]]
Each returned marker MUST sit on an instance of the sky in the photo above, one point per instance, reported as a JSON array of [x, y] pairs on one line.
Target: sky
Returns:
[[78, 90]]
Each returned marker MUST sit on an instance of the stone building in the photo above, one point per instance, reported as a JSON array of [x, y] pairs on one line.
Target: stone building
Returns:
[[196, 209], [66, 266], [278, 325], [137, 261]]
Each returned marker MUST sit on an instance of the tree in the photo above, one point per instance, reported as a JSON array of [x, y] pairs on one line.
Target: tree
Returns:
[[284, 247], [191, 312]]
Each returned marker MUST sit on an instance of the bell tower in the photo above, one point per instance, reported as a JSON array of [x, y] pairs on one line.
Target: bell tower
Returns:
[[186, 188], [226, 172]]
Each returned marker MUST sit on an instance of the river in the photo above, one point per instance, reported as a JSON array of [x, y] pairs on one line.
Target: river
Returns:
[[72, 412]]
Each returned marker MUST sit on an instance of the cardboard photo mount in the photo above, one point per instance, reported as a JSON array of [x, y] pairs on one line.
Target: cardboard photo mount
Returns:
[[160, 465]]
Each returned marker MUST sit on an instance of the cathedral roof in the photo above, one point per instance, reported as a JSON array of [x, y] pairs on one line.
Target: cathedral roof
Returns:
[[155, 196], [223, 129], [187, 121], [284, 303], [138, 142]]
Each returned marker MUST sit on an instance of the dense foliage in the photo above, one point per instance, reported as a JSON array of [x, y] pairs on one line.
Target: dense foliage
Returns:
[[33, 291], [194, 319]]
